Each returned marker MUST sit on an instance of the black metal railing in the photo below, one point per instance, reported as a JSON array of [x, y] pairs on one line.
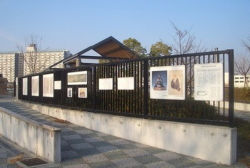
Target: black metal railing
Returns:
[[136, 102]]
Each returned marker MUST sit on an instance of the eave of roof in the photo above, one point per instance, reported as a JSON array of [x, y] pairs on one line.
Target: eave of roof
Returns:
[[109, 47]]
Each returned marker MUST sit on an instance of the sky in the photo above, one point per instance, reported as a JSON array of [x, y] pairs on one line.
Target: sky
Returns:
[[77, 24]]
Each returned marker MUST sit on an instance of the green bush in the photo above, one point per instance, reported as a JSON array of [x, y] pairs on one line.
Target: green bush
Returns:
[[240, 94], [133, 102], [188, 108]]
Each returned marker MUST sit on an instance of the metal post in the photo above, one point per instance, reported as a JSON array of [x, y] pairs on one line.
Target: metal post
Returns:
[[29, 87], [63, 88], [145, 88], [216, 56], [231, 88], [94, 87], [41, 86]]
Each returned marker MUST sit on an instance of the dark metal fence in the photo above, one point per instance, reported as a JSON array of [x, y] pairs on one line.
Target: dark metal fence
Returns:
[[136, 102]]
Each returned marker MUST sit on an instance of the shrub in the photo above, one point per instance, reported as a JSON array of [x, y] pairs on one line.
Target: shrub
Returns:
[[188, 108], [240, 94]]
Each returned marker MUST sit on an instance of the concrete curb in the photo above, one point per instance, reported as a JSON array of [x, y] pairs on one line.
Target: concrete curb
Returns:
[[43, 140]]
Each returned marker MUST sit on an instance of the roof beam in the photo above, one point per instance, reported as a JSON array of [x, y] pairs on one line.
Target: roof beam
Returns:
[[100, 57], [111, 51]]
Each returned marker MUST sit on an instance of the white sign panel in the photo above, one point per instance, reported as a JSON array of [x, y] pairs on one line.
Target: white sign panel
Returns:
[[57, 85], [126, 83], [106, 84], [48, 85], [25, 86], [35, 86], [167, 82], [69, 92], [208, 81]]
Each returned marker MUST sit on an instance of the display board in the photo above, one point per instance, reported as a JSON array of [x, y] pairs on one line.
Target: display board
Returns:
[[106, 84], [167, 82], [208, 81], [77, 78], [69, 92], [82, 92], [25, 86], [126, 83], [57, 85], [48, 85], [35, 86]]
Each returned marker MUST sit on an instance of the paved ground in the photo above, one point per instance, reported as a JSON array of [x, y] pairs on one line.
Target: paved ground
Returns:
[[85, 148]]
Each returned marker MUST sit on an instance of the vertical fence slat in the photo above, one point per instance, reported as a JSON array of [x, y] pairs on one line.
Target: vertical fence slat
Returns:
[[145, 75], [231, 87]]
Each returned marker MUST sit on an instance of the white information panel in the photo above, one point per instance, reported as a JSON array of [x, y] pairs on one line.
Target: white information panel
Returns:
[[35, 86], [208, 81], [25, 86], [126, 83], [57, 85], [167, 82], [106, 84], [48, 85]]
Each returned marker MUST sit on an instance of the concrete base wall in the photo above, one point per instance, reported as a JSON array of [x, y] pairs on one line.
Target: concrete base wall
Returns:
[[43, 140], [212, 143]]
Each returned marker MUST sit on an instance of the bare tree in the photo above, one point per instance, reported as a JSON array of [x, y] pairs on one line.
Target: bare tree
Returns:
[[185, 42], [246, 44], [242, 66], [31, 57]]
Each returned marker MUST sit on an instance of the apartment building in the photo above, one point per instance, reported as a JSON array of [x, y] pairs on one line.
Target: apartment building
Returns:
[[37, 61], [11, 65]]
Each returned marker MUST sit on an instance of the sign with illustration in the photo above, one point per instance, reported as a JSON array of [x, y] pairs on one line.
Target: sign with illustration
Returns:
[[77, 78], [69, 92], [82, 92], [167, 82], [208, 81]]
